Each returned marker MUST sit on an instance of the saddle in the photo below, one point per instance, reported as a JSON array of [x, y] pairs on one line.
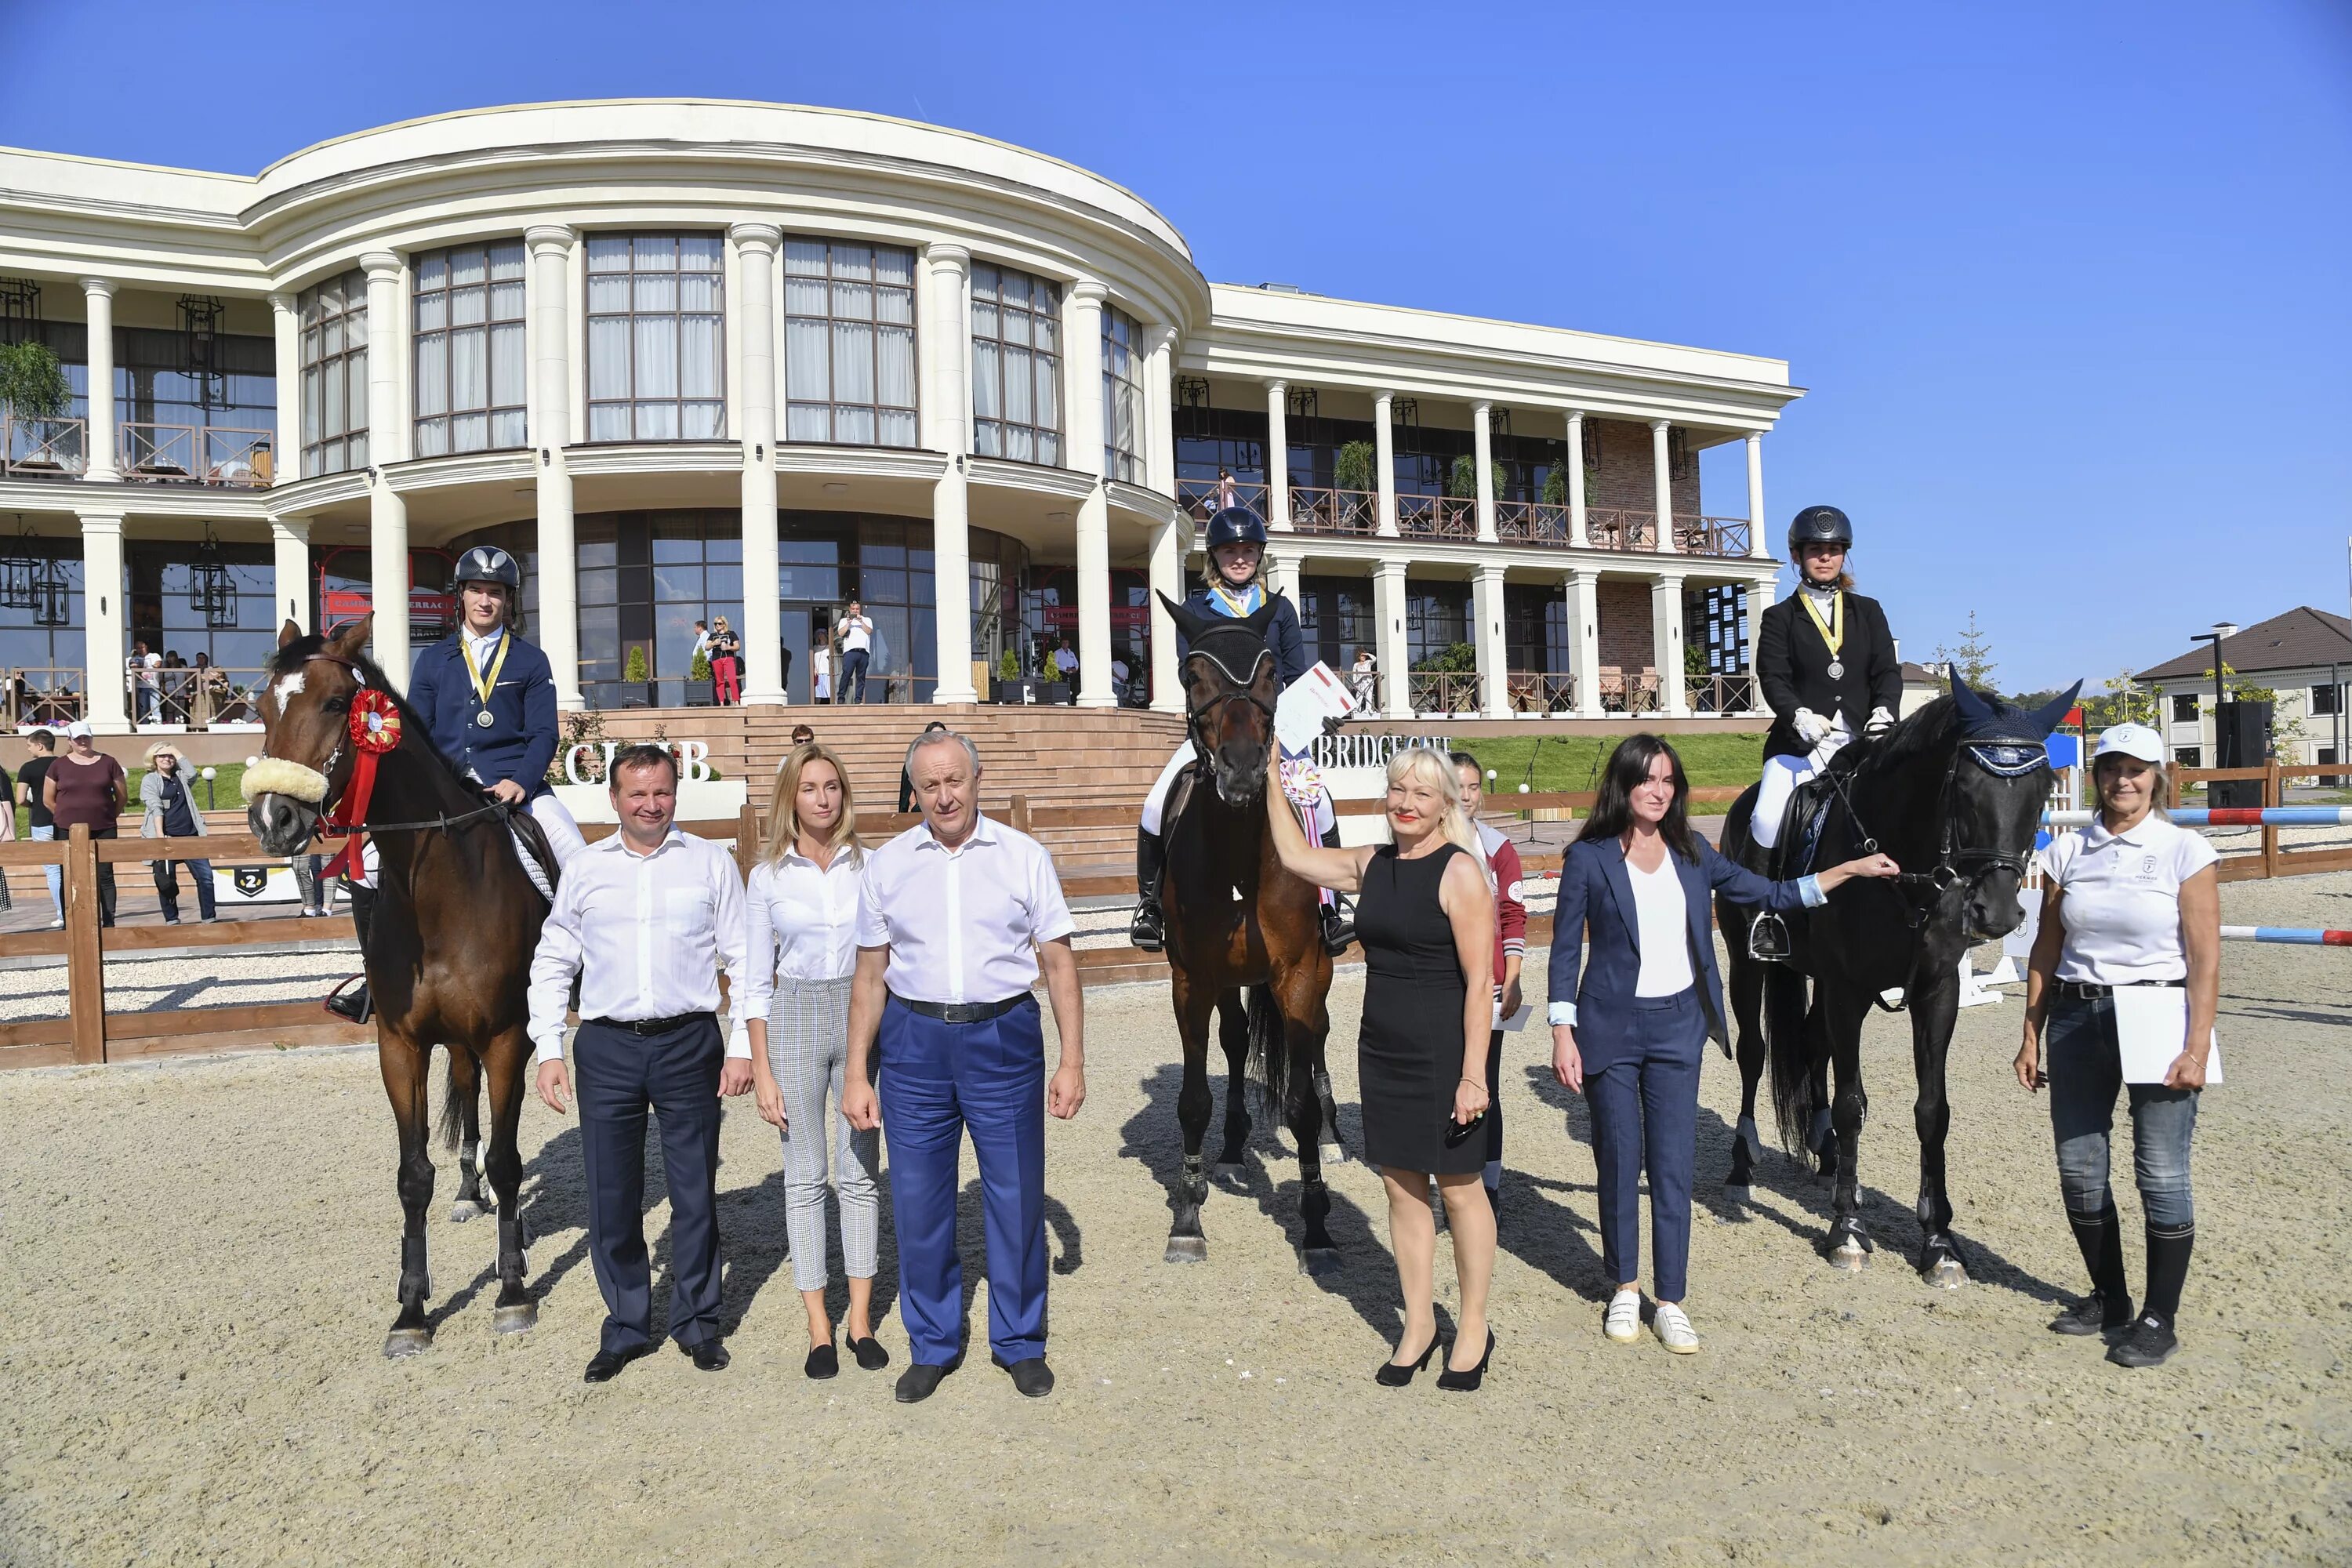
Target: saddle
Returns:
[[537, 855], [1792, 856]]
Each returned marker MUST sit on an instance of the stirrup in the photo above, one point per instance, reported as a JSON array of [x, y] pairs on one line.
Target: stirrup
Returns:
[[1768, 938], [1339, 932], [1149, 929], [356, 1005]]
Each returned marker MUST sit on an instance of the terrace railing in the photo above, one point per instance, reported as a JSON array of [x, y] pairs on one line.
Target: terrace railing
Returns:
[[1618, 528], [1437, 517], [1734, 693], [198, 455], [1536, 691], [42, 448], [1316, 509], [1439, 692], [48, 696], [1199, 499], [1719, 536], [1531, 522]]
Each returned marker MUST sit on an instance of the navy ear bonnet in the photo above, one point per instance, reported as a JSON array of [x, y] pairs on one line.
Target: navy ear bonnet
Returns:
[[2005, 738]]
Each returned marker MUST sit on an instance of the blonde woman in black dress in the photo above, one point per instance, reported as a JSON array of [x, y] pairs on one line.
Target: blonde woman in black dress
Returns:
[[1425, 915]]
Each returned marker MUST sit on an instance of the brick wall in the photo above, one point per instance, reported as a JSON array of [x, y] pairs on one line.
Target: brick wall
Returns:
[[1624, 630], [1626, 478]]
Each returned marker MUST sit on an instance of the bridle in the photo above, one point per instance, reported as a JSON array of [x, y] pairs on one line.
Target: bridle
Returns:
[[1195, 719], [328, 826], [1958, 865]]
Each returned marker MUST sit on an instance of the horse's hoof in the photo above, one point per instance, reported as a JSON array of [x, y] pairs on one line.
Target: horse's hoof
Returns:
[[1737, 1191], [465, 1209], [1319, 1259], [1946, 1274], [1229, 1170], [403, 1342], [515, 1320], [1852, 1257], [1750, 1139], [1186, 1250]]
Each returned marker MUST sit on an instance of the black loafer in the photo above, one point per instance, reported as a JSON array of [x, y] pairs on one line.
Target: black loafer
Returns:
[[822, 1362], [708, 1356], [1031, 1375], [605, 1365], [918, 1383], [871, 1356]]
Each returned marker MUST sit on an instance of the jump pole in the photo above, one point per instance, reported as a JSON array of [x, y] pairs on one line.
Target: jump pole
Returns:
[[2294, 936], [2227, 816]]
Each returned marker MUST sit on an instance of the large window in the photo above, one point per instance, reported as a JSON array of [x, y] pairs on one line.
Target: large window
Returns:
[[1016, 366], [1122, 395], [657, 371], [471, 364], [849, 344], [335, 375]]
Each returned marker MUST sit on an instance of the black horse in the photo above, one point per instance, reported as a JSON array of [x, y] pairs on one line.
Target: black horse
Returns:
[[1954, 794], [1237, 920]]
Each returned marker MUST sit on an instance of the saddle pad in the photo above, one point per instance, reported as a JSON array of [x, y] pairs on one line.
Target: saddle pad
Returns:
[[532, 869]]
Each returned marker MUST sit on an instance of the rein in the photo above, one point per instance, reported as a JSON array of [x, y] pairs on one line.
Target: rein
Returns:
[[1195, 729]]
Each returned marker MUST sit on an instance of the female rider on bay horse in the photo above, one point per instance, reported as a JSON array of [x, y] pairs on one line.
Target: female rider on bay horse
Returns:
[[1233, 584], [488, 699], [1826, 662]]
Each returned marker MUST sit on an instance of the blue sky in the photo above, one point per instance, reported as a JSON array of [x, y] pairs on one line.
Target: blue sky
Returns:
[[2070, 285]]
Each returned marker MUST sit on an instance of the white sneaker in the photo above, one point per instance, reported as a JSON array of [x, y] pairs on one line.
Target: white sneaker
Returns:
[[1675, 1331], [1624, 1322]]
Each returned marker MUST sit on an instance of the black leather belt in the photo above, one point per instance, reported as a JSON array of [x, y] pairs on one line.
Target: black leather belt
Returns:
[[642, 1026], [2085, 991], [962, 1012]]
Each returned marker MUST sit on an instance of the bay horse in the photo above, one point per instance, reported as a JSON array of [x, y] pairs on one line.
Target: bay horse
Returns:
[[448, 952], [1237, 919], [1954, 794]]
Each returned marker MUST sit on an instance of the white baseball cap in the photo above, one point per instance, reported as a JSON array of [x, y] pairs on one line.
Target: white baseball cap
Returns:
[[2130, 741], [79, 730]]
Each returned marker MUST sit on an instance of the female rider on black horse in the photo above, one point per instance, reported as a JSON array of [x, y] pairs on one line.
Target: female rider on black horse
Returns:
[[1233, 584], [1826, 661]]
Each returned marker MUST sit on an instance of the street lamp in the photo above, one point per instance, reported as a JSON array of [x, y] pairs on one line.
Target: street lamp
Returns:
[[208, 774]]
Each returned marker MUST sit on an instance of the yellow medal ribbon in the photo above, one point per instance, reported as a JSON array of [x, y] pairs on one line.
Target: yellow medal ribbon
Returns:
[[1238, 605], [1832, 627], [485, 685]]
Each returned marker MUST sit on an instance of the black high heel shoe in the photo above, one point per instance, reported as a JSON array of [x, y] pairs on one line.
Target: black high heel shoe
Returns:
[[1464, 1382], [1394, 1374]]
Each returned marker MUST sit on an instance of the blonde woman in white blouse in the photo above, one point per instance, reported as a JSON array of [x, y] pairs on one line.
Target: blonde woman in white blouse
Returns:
[[802, 904]]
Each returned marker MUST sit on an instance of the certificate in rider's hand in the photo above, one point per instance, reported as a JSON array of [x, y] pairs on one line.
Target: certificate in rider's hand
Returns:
[[2152, 1028], [1298, 715]]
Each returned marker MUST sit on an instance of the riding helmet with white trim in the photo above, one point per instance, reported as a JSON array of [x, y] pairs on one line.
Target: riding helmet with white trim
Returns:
[[488, 563]]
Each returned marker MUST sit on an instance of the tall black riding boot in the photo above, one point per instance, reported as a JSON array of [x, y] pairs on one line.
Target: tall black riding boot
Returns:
[[1768, 930], [1338, 930], [2109, 1304], [1149, 929], [355, 1004]]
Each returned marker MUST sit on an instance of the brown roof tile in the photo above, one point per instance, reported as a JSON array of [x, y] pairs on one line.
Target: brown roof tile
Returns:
[[2300, 638]]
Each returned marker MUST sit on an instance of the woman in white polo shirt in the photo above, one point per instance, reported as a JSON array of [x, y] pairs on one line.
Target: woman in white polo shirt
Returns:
[[2132, 900]]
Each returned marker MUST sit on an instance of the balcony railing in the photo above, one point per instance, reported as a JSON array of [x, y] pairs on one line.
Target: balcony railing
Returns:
[[1540, 692], [197, 698], [1733, 693], [1201, 499], [1712, 535], [1438, 693], [47, 696], [1624, 693], [196, 453], [1531, 522], [1314, 509], [42, 448], [1616, 528], [1437, 517]]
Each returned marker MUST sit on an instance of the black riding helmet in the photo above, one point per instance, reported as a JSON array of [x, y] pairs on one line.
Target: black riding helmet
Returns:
[[1819, 525], [1236, 525], [487, 564]]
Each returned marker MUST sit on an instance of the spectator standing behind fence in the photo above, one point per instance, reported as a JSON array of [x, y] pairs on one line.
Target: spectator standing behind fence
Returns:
[[85, 788], [41, 828], [2132, 900], [205, 686], [169, 812], [856, 634], [144, 672]]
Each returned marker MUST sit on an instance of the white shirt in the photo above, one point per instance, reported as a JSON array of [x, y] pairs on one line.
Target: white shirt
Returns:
[[646, 933], [2122, 905], [1663, 930], [1066, 660], [803, 924], [962, 925], [856, 634], [483, 650]]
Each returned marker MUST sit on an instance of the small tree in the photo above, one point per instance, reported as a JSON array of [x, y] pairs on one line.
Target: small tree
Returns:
[[1461, 482], [1008, 666], [2284, 726], [701, 668], [1459, 658], [32, 383], [2125, 701], [1555, 491], [1357, 468], [635, 669], [1973, 660]]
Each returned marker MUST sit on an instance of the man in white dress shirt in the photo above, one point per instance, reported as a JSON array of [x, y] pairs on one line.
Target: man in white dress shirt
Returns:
[[956, 918], [644, 919], [855, 633]]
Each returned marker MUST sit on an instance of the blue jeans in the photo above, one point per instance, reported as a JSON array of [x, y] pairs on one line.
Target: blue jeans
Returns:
[[56, 874], [2085, 1067], [853, 676]]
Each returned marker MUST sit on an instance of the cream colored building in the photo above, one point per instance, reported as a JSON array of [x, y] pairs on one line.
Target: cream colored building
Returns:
[[669, 353]]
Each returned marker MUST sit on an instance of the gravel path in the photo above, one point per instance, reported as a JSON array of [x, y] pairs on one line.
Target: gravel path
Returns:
[[201, 1255]]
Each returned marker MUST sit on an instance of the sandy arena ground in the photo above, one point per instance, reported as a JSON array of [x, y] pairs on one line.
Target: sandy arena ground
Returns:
[[200, 1258]]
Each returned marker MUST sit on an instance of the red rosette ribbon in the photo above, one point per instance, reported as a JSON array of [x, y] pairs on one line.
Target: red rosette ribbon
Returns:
[[375, 729]]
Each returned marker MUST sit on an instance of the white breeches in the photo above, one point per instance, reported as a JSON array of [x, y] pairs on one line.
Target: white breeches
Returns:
[[563, 833], [1156, 804], [1781, 777]]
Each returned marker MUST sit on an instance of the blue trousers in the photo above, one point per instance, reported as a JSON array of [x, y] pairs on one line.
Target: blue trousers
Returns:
[[620, 1074], [1645, 1103], [2086, 1069], [853, 676], [936, 1080]]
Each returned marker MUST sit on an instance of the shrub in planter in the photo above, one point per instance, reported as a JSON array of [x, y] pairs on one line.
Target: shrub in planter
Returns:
[[1357, 467]]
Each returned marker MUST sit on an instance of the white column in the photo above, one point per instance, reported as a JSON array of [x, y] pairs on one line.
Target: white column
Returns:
[[1169, 542], [1666, 642], [1281, 573], [1584, 637], [289, 549], [103, 647], [1758, 547], [388, 430], [1388, 604], [1494, 651], [1576, 530], [1158, 420], [1482, 437], [763, 666], [1384, 461], [559, 562], [1083, 401], [950, 329], [1277, 455], [1758, 590], [286, 456], [98, 299], [1661, 470]]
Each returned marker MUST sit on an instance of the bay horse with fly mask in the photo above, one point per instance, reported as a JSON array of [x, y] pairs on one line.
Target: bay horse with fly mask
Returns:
[[1237, 920], [1954, 794], [449, 953]]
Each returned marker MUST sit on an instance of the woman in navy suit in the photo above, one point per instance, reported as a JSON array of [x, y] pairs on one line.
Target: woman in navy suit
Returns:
[[1636, 881]]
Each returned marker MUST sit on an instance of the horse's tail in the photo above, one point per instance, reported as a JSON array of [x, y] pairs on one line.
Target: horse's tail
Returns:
[[1788, 1045], [1269, 1057], [464, 1087]]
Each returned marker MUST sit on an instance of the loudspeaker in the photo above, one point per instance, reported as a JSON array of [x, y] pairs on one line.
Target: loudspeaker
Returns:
[[2242, 733]]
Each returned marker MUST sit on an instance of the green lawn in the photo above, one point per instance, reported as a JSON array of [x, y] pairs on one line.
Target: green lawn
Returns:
[[225, 793], [1573, 763]]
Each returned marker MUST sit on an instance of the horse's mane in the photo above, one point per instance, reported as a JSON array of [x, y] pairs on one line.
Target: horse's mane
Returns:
[[290, 658], [1930, 730]]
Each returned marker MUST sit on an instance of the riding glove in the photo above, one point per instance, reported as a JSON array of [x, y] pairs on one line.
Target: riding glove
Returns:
[[1811, 726], [1880, 721]]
